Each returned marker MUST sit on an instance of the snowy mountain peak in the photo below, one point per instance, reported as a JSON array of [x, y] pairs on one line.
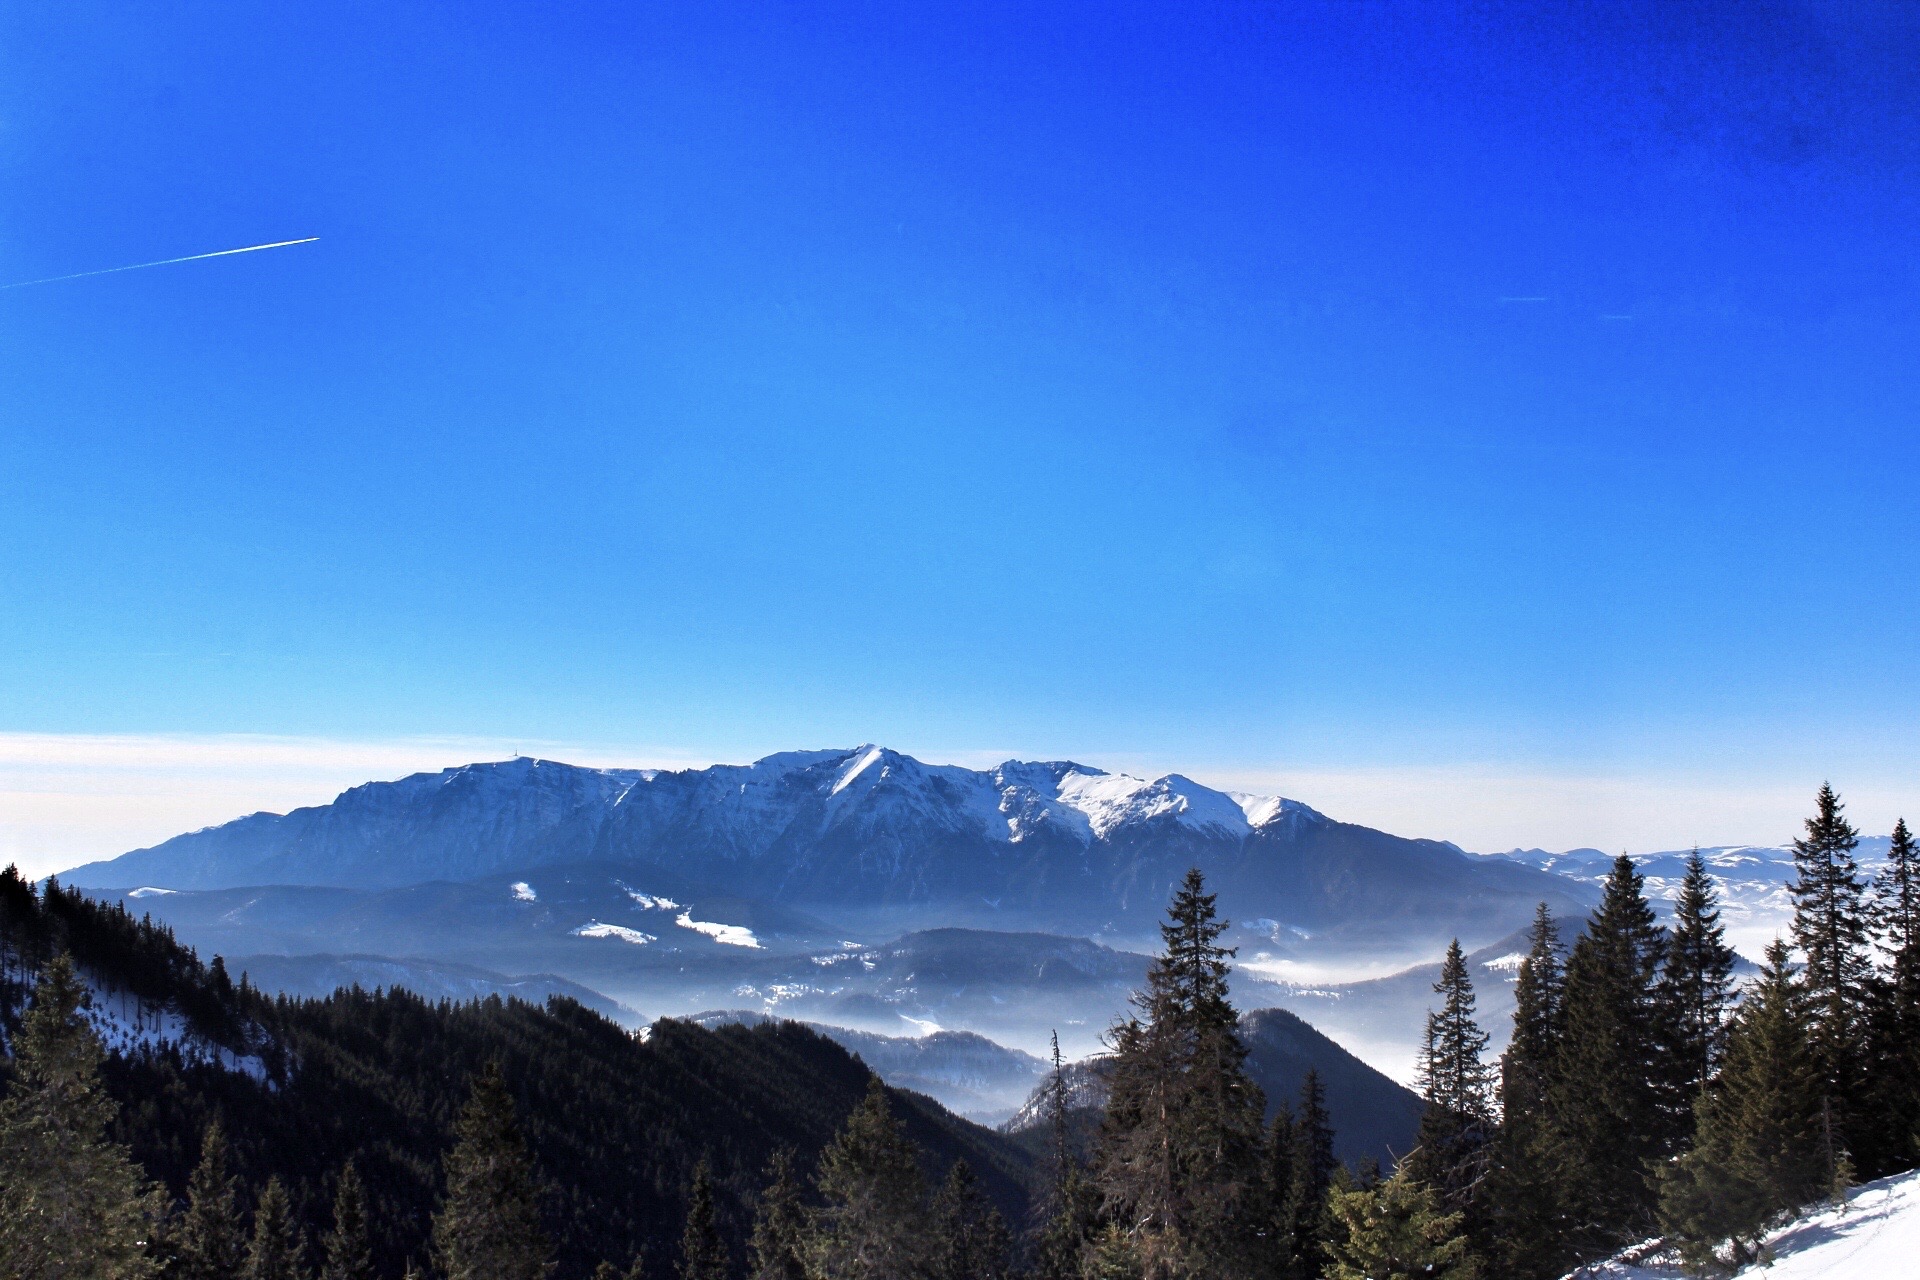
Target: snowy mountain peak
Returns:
[[868, 811]]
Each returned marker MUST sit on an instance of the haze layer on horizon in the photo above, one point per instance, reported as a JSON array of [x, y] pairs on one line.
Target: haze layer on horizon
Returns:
[[1503, 420], [72, 798]]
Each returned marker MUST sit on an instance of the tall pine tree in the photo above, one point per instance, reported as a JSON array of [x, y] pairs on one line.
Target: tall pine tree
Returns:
[[72, 1202], [1180, 1162], [1529, 1222], [703, 1254], [1893, 1089], [1456, 1129], [1830, 926], [779, 1246], [1758, 1147], [488, 1227], [1068, 1213], [872, 1224], [209, 1242], [349, 1248], [1604, 1092], [1694, 994], [970, 1240], [275, 1252], [1304, 1222]]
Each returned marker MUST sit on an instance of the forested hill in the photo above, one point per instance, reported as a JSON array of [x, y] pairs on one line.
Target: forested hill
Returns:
[[616, 1124]]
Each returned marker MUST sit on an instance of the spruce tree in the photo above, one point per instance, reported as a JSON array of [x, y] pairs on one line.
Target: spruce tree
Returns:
[[970, 1240], [1694, 993], [1304, 1225], [1398, 1231], [779, 1246], [208, 1241], [1604, 1092], [1456, 1129], [1830, 926], [872, 1223], [703, 1254], [349, 1248], [1528, 1219], [1068, 1213], [72, 1202], [1892, 1093], [1281, 1137], [1897, 913], [488, 1227], [1181, 1147], [1758, 1146], [275, 1251]]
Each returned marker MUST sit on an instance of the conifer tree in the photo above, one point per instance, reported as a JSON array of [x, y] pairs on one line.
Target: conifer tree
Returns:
[[1456, 1130], [488, 1227], [1694, 992], [779, 1246], [1398, 1231], [209, 1242], [970, 1240], [1281, 1136], [1830, 926], [349, 1248], [1757, 1151], [1180, 1162], [1604, 1092], [1526, 1203], [873, 1219], [1897, 913], [72, 1202], [275, 1251], [1068, 1213], [1892, 1093], [703, 1254], [1301, 1242]]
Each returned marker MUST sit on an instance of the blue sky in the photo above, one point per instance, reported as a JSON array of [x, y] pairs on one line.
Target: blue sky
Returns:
[[1282, 391]]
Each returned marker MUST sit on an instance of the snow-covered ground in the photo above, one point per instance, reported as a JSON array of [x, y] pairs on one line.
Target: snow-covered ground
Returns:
[[127, 1024], [1876, 1237]]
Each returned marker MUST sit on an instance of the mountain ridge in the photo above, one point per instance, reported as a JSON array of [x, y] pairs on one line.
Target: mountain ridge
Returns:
[[1053, 843]]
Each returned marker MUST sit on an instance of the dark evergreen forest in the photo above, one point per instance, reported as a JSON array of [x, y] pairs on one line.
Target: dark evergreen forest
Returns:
[[616, 1126]]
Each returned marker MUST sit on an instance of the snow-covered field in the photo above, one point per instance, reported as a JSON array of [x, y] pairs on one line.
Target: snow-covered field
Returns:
[[1876, 1237]]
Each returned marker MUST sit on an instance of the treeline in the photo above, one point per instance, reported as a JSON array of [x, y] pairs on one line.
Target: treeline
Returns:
[[1640, 1094], [368, 1088]]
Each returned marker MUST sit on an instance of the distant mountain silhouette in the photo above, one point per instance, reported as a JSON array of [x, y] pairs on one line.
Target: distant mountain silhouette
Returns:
[[870, 834]]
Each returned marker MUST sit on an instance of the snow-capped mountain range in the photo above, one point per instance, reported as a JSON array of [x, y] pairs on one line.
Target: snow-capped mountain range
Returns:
[[1055, 844], [1751, 880]]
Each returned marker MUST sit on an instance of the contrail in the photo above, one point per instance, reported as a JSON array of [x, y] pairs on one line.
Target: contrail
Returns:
[[164, 262]]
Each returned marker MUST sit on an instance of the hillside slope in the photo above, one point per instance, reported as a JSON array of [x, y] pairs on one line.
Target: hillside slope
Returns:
[[616, 1124], [1876, 1237], [1373, 1117]]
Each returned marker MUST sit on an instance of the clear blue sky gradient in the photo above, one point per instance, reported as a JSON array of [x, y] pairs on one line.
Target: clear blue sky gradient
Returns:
[[1253, 382]]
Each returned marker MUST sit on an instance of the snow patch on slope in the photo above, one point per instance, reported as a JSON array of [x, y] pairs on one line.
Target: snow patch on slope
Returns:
[[128, 1025], [733, 935], [594, 929], [1877, 1234]]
